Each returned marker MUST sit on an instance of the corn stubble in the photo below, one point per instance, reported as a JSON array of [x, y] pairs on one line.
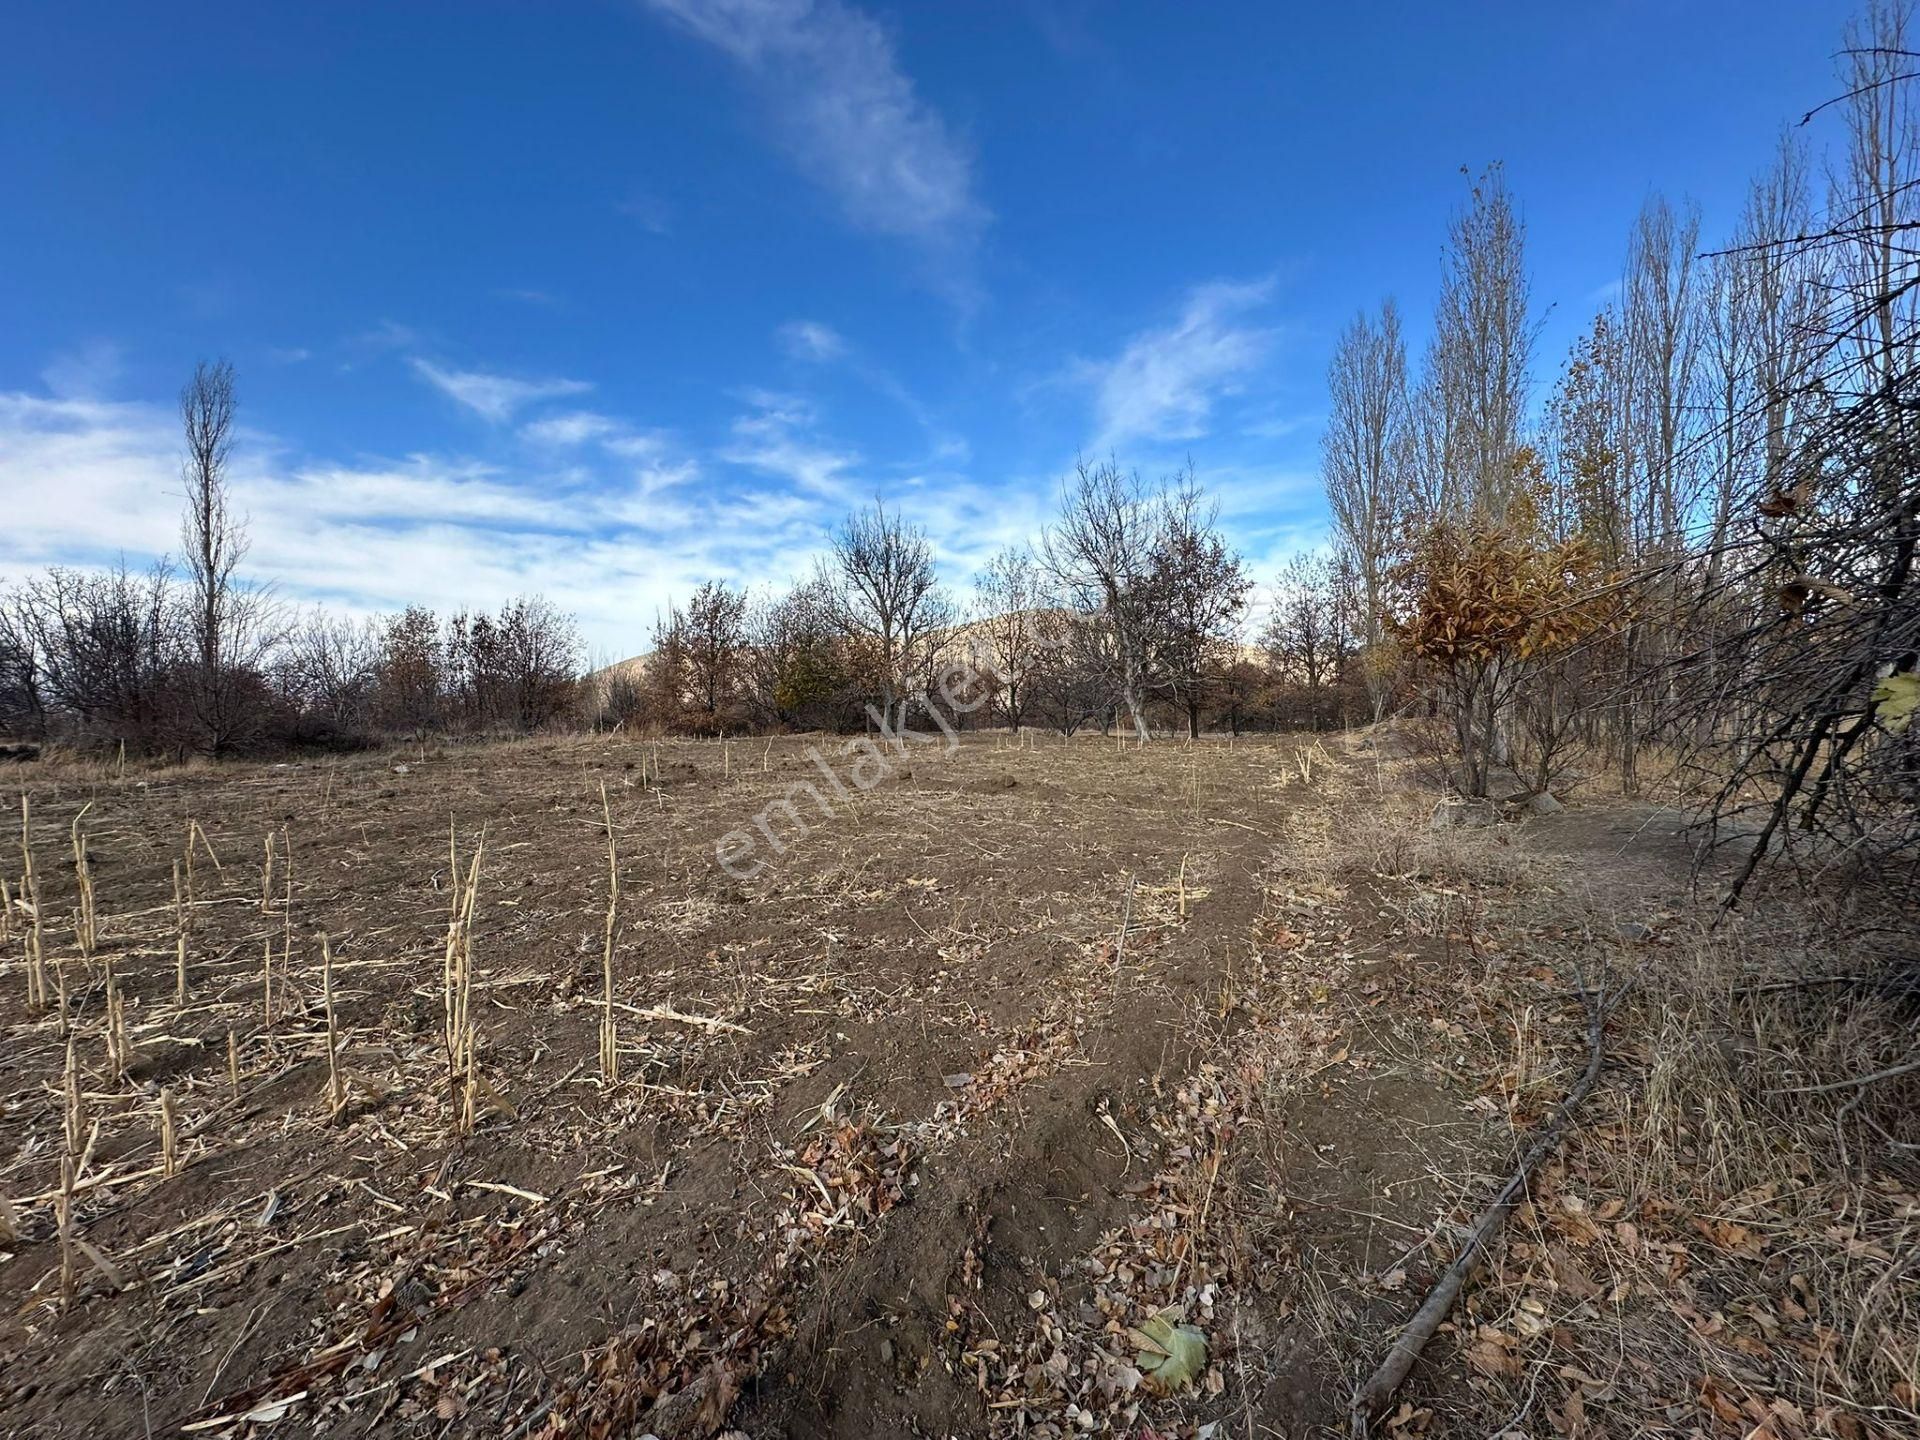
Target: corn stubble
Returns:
[[467, 1088], [609, 1033]]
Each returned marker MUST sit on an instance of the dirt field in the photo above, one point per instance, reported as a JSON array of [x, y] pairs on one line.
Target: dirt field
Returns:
[[1005, 1056]]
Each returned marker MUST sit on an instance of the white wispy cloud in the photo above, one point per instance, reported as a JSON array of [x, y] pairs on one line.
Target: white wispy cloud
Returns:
[[494, 397], [95, 478], [649, 211], [816, 343], [611, 542], [777, 439], [575, 427], [85, 373], [847, 113], [453, 492], [644, 460], [386, 335], [1164, 382], [811, 340]]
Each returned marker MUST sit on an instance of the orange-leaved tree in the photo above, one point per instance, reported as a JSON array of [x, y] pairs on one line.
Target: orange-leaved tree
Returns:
[[1488, 606]]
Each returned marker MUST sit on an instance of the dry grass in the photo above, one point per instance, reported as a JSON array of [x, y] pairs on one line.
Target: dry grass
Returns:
[[1729, 1242], [1762, 1228]]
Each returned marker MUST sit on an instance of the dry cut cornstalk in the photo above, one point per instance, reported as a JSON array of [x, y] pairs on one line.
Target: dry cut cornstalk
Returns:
[[74, 1119], [287, 990], [34, 937], [463, 1083], [73, 1112], [194, 830], [609, 1033], [336, 1088], [1370, 1400], [63, 1218], [86, 933], [169, 1144], [179, 939], [117, 1053]]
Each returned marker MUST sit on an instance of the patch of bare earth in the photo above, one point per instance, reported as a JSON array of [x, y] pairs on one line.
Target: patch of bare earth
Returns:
[[1009, 1071]]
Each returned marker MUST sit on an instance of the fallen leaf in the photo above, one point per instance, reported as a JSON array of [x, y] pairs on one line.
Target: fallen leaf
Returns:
[[1170, 1354], [723, 1388]]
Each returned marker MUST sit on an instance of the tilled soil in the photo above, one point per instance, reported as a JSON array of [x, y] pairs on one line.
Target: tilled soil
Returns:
[[998, 1060]]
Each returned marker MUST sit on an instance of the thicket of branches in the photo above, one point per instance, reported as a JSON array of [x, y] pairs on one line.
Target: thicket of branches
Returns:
[[1702, 546]]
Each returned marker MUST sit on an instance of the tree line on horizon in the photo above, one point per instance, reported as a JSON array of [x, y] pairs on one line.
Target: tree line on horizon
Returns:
[[1128, 611], [1697, 544]]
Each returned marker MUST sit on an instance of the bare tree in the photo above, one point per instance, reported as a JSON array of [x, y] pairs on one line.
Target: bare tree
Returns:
[[1654, 470], [109, 646], [1071, 681], [714, 631], [791, 661], [1811, 737], [1366, 461], [887, 596], [698, 661], [537, 664], [411, 682], [23, 697], [1662, 333], [1199, 591], [329, 667], [663, 685], [1308, 636], [1100, 554], [229, 621], [1872, 196], [1472, 404], [1008, 600]]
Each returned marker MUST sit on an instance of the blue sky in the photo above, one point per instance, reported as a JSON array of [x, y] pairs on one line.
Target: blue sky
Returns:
[[602, 298]]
